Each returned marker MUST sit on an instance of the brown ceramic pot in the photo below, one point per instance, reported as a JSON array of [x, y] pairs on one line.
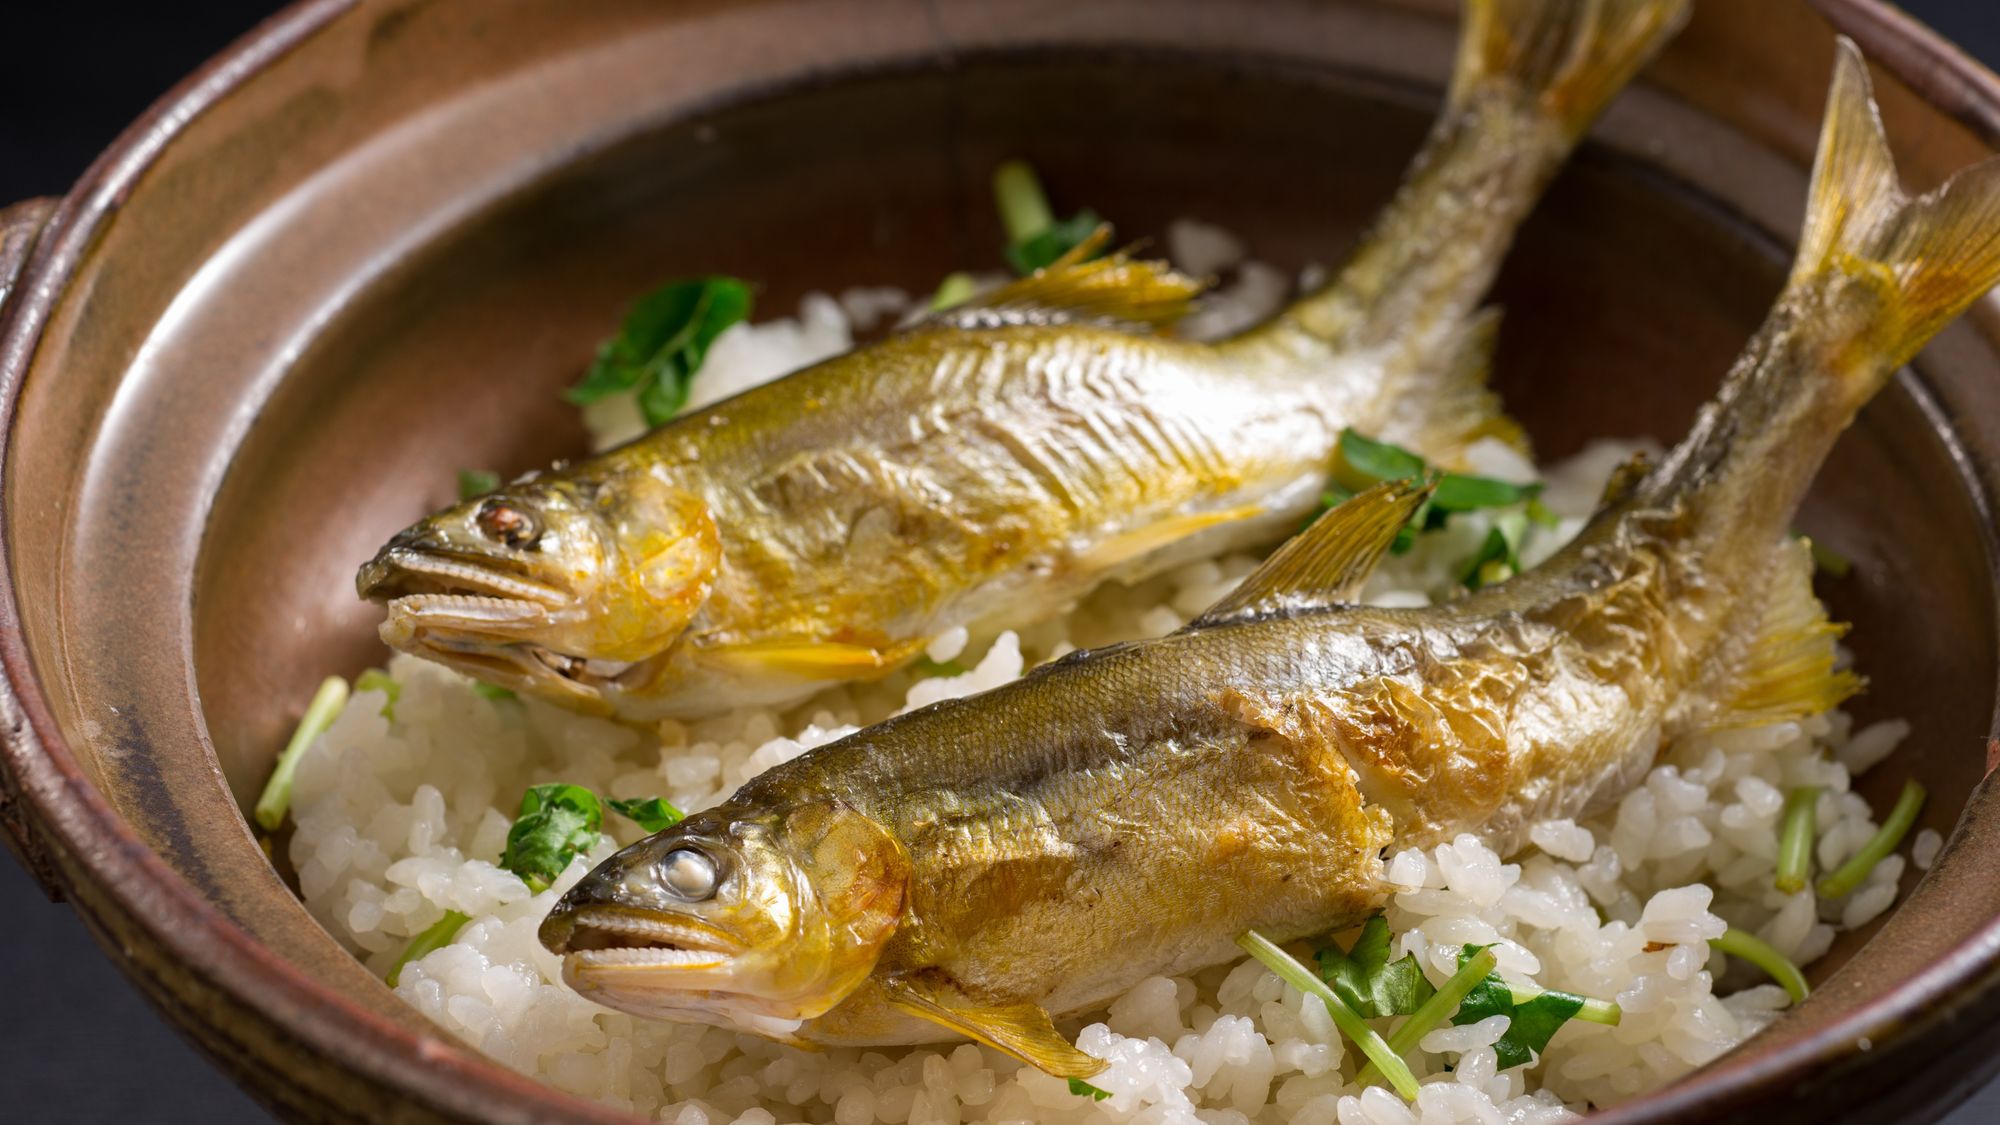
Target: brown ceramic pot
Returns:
[[366, 245]]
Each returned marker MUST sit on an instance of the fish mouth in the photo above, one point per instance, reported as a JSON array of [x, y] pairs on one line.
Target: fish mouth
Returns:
[[468, 613], [621, 939], [433, 579]]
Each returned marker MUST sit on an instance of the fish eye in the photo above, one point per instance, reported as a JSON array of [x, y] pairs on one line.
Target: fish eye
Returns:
[[688, 875], [504, 523]]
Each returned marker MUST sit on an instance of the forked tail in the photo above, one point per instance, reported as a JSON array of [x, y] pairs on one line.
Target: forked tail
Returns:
[[1569, 57], [1887, 271]]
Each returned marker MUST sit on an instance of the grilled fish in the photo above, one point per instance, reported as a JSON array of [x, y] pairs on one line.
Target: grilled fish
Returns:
[[1131, 811], [1000, 459]]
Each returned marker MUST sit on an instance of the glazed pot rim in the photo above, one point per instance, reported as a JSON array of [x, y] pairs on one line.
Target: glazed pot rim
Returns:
[[437, 1067]]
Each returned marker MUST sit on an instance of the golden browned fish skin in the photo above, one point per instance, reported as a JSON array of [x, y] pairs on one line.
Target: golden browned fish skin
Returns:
[[997, 461], [1035, 851]]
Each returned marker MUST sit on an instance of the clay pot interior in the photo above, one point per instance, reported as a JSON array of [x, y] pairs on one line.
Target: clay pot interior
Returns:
[[289, 408]]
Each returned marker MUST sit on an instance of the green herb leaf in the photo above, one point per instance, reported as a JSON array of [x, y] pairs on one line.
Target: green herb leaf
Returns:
[[650, 813], [474, 483], [484, 690], [662, 342], [1361, 463], [1540, 514], [375, 679], [1828, 561], [1372, 984], [1433, 1011], [1042, 250], [1084, 1089], [556, 823], [436, 937], [1457, 493], [1530, 1024], [1499, 557]]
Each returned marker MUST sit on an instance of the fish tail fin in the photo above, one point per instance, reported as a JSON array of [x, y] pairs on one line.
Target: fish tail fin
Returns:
[[1569, 57], [1919, 260]]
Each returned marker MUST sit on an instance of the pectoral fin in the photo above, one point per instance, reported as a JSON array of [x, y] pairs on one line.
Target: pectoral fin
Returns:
[[1789, 670], [1327, 563], [813, 660], [1142, 541], [1022, 1030]]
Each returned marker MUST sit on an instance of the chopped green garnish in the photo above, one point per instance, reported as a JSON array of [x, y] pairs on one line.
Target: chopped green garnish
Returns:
[[1530, 1024], [556, 823], [1084, 1089], [277, 796], [650, 813], [1540, 514], [1795, 839], [662, 342], [1035, 237], [375, 679], [1499, 557], [1433, 1011], [955, 289], [1851, 874], [928, 667], [1593, 1010], [1345, 1018], [484, 690], [1368, 981], [434, 938], [473, 483], [1361, 463], [1757, 951]]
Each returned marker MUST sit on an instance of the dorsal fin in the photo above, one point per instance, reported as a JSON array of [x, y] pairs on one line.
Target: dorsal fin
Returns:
[[1625, 479], [1326, 563], [1078, 286]]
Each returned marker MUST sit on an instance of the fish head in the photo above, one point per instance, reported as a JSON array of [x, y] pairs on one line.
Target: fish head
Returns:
[[756, 922], [552, 585]]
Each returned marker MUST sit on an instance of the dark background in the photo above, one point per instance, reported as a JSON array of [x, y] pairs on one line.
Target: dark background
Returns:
[[76, 1042]]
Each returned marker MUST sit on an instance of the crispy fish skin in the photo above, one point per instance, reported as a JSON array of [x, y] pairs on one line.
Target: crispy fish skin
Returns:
[[1036, 850], [1001, 459]]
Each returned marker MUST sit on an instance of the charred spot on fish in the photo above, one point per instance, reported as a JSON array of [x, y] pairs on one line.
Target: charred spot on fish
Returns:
[[506, 524]]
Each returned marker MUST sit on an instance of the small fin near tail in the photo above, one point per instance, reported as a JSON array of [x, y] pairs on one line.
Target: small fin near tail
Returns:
[[1570, 56], [1078, 286], [1327, 563], [1925, 258], [1789, 671]]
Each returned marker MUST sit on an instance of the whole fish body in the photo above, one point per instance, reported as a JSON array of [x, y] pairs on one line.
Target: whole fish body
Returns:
[[980, 866], [995, 462]]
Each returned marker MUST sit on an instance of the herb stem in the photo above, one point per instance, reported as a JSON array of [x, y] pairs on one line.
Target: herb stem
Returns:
[[1593, 1010], [277, 795], [1024, 206], [1757, 951], [1434, 1011], [432, 939], [1795, 839], [954, 290], [1850, 875], [1345, 1018]]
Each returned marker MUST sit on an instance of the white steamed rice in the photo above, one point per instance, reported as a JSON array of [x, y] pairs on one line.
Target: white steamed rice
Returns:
[[399, 821]]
